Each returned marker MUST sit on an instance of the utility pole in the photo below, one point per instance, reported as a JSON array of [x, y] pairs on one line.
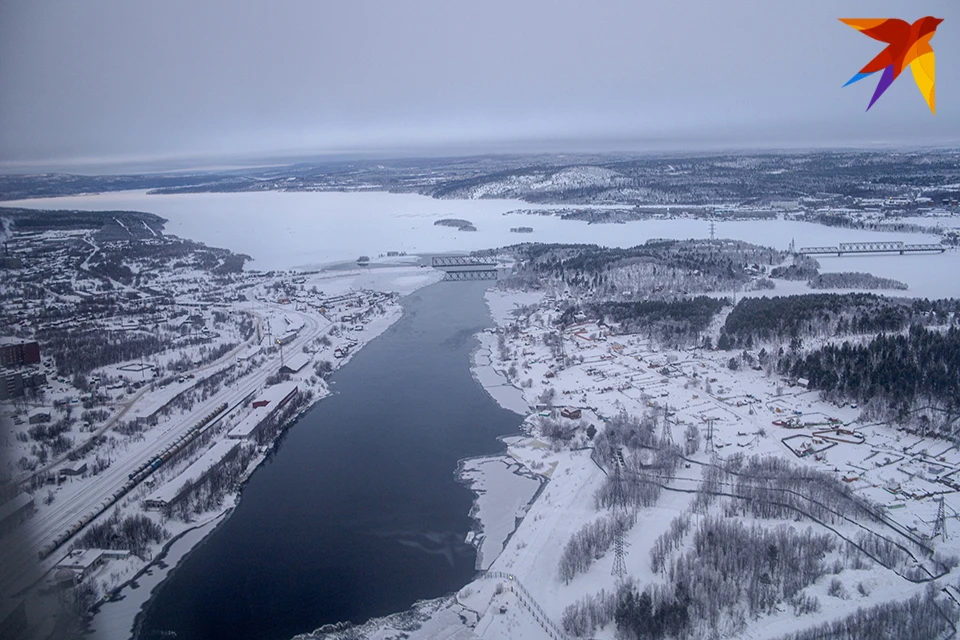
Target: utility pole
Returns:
[[281, 352]]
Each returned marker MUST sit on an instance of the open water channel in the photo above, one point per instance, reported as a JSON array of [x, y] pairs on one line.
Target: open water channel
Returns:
[[357, 513]]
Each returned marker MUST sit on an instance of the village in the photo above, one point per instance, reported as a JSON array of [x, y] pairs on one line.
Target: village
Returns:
[[583, 378], [220, 368]]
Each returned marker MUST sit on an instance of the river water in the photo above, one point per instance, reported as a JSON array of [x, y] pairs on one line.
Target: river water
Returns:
[[357, 514]]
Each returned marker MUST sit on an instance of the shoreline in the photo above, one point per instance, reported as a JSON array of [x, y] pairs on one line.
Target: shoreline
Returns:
[[212, 519], [436, 614]]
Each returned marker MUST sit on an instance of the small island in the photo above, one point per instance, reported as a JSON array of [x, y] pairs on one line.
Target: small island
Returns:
[[462, 225]]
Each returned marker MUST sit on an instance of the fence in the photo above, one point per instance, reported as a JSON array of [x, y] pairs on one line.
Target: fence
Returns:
[[528, 601]]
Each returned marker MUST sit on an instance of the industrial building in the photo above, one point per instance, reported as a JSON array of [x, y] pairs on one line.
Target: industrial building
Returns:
[[287, 338], [295, 363], [82, 562], [264, 407], [175, 489]]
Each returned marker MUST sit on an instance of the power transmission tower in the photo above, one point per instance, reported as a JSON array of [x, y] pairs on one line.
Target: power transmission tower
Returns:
[[713, 231], [563, 355], [940, 526], [619, 500], [619, 497], [710, 433], [666, 437], [619, 564]]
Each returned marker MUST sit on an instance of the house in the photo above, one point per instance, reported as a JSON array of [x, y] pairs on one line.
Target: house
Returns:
[[571, 413], [803, 382]]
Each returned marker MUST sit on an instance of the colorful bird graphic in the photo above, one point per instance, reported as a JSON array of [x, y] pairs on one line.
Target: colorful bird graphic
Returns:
[[907, 44]]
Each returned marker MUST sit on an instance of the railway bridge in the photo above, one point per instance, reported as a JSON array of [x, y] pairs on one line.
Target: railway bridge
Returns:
[[461, 268], [873, 247]]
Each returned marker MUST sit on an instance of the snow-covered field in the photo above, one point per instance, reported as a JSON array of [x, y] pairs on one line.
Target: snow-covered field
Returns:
[[521, 596], [283, 230]]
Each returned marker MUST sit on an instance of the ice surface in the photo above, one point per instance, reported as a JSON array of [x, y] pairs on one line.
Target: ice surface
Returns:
[[283, 230]]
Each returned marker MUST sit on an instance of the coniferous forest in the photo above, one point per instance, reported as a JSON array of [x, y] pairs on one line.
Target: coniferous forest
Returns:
[[677, 322], [916, 371], [787, 318]]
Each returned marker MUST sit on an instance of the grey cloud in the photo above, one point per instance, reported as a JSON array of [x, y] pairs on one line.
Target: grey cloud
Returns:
[[119, 79]]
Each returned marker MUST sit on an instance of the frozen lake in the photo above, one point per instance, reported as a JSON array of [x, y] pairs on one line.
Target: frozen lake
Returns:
[[284, 230]]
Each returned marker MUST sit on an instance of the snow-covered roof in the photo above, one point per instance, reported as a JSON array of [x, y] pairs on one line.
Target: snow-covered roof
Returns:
[[171, 490], [81, 559], [249, 353], [16, 504], [296, 362], [272, 396]]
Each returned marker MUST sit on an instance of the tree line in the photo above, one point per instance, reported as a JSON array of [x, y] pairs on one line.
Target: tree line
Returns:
[[917, 618], [791, 318], [677, 322], [898, 372]]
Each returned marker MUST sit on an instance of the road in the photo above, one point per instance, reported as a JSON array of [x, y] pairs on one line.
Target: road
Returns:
[[131, 402], [51, 520]]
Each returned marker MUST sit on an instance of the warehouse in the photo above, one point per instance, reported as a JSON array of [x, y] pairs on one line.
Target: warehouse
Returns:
[[295, 363], [264, 406], [175, 489], [83, 562]]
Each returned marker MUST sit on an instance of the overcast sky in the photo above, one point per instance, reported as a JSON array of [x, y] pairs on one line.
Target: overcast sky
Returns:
[[127, 81]]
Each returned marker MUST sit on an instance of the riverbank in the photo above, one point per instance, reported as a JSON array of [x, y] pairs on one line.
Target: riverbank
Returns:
[[380, 455], [123, 603]]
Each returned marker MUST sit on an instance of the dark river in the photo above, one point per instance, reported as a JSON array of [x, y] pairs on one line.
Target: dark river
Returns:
[[357, 514]]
